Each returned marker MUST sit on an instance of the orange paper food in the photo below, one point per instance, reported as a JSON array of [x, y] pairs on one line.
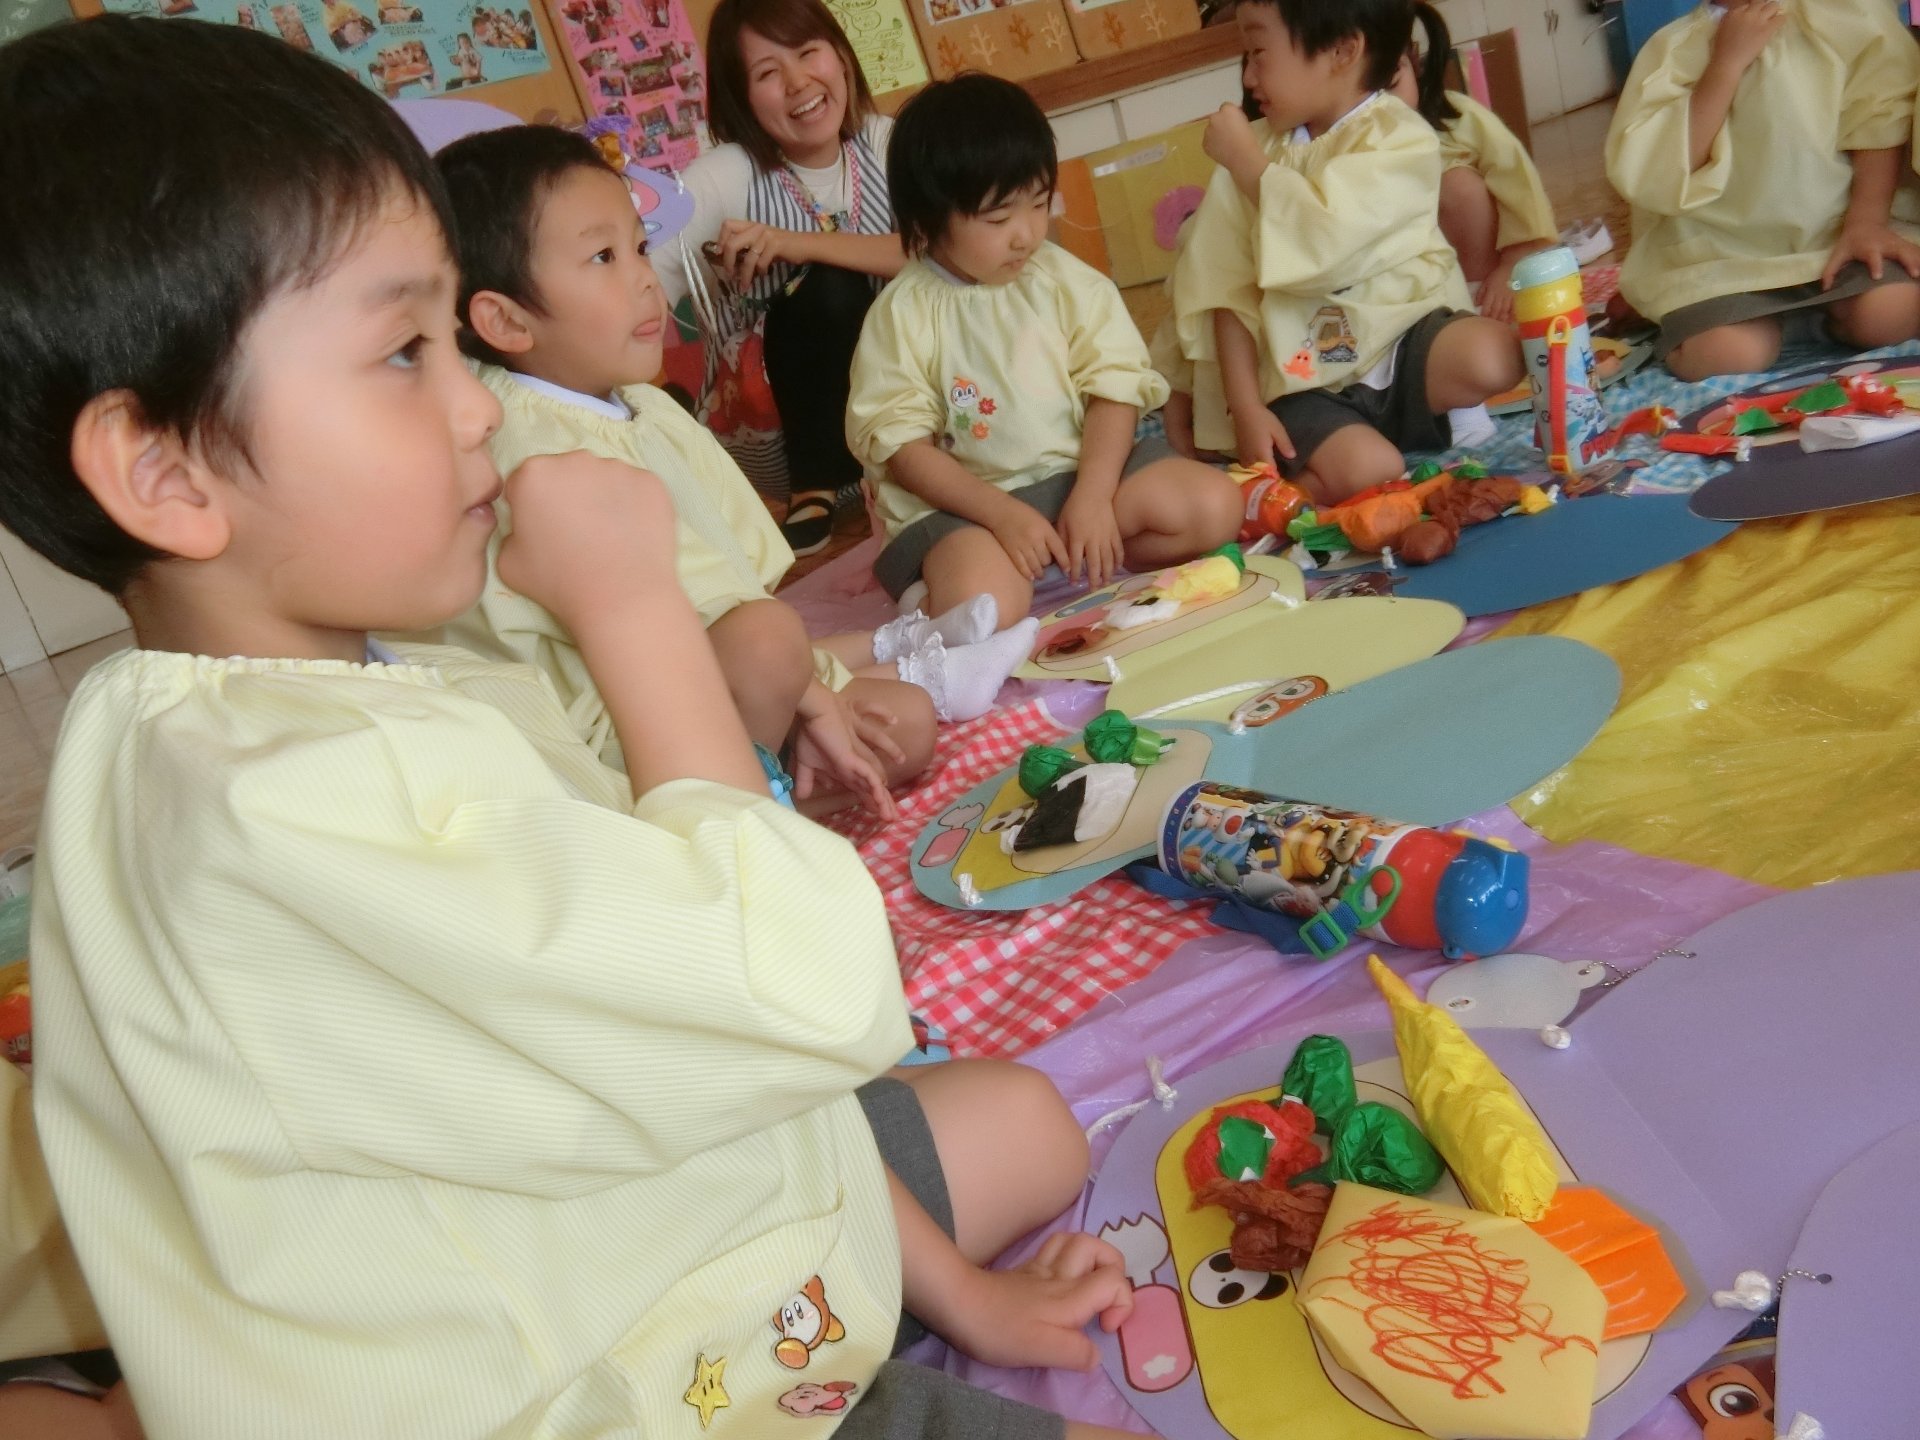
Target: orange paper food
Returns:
[[1624, 1256]]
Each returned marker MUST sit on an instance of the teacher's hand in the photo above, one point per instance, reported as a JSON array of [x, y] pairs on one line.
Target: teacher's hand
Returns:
[[749, 249]]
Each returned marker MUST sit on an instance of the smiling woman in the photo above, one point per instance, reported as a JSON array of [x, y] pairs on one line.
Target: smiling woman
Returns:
[[794, 213]]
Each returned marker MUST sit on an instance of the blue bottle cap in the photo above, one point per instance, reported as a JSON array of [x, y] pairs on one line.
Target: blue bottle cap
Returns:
[[1481, 903], [1544, 266]]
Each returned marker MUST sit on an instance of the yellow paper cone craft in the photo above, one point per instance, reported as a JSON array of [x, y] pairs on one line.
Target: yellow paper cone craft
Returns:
[[1491, 1142]]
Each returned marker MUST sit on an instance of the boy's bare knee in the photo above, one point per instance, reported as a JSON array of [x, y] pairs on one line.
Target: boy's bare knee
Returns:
[[1726, 350], [764, 644], [914, 727], [1055, 1146], [1219, 509], [1887, 315]]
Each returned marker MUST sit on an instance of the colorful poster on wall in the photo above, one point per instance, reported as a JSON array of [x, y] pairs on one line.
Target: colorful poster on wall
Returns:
[[884, 42], [644, 71], [412, 48]]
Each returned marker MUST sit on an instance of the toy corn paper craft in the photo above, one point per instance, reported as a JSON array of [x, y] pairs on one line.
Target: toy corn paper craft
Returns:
[[1472, 1326], [1470, 1112]]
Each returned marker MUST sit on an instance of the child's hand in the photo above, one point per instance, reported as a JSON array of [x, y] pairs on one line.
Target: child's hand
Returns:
[[1744, 32], [1177, 416], [1496, 291], [1037, 1313], [1875, 245], [1029, 540], [1231, 144], [1091, 532], [826, 746], [1260, 439], [588, 534]]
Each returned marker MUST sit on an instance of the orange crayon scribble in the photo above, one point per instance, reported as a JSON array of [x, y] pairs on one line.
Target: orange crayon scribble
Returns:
[[1440, 1305]]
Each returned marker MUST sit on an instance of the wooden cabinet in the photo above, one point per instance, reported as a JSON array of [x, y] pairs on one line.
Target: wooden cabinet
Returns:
[[1563, 48]]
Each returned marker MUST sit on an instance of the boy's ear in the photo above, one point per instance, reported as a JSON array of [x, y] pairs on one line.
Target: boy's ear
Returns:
[[147, 480], [501, 321]]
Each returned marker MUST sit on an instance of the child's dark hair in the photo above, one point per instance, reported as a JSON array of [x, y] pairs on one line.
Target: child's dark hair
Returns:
[[1383, 27], [497, 182], [1430, 70], [785, 22], [960, 147], [161, 182]]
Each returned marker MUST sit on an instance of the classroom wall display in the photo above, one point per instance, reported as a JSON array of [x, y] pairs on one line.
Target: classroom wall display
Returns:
[[1106, 27], [409, 48], [643, 68], [883, 40], [1013, 39]]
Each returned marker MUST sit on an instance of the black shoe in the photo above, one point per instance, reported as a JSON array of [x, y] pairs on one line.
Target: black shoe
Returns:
[[809, 523]]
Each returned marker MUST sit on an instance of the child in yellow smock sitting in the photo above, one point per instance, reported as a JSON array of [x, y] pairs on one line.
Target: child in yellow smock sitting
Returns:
[[564, 319], [401, 1069], [1493, 209], [1760, 144], [998, 380], [1318, 299]]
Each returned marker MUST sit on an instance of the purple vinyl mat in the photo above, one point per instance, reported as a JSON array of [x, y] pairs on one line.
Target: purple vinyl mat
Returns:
[[1779, 478], [1836, 1360]]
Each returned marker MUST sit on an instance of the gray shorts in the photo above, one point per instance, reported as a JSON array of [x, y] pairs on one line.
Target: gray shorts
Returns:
[[898, 564], [1679, 326], [911, 1402], [1400, 412]]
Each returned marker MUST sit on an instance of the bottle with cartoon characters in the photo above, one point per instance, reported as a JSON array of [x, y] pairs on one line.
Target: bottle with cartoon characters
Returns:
[[1569, 422], [1347, 875]]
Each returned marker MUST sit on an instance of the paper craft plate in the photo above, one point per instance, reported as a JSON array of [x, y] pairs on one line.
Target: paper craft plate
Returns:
[[1075, 643], [1213, 1352], [1859, 1235], [1782, 479], [1427, 744], [1829, 975], [1273, 658], [1577, 545]]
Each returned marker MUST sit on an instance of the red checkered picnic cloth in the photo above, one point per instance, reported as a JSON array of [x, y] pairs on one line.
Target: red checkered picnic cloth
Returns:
[[1598, 284], [999, 982]]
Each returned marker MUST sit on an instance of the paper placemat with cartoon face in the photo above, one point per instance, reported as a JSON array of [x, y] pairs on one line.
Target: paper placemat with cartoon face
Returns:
[[1427, 744]]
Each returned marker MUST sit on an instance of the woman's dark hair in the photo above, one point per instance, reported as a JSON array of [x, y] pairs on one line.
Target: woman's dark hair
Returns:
[[497, 182], [1383, 27], [161, 181], [792, 23], [960, 147], [1430, 70]]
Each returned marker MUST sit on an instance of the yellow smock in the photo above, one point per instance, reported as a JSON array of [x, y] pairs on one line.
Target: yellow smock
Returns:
[[398, 1074], [1001, 374], [728, 550], [1766, 208], [1480, 141], [1342, 256]]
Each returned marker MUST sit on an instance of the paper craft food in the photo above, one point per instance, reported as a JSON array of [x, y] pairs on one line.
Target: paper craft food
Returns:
[[1470, 1325], [1473, 1116], [1625, 1257]]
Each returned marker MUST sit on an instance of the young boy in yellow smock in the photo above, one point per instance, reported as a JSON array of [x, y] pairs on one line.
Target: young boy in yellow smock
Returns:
[[998, 380], [1760, 144], [401, 1069], [1316, 296]]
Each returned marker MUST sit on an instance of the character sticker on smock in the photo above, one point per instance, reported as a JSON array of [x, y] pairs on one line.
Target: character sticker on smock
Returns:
[[808, 1398], [804, 1324], [1331, 337], [1277, 700], [707, 1393], [968, 411]]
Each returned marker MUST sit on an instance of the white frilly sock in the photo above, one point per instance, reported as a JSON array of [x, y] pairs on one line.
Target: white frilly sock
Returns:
[[965, 624], [964, 680]]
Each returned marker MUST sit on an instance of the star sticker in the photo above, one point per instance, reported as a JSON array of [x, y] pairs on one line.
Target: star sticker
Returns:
[[707, 1394]]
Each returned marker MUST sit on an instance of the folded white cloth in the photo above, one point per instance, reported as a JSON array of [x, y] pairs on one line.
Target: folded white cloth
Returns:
[[1850, 432]]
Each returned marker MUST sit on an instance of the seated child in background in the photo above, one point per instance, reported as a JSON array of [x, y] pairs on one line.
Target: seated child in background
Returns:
[[1760, 144], [402, 1069], [1493, 209], [556, 290], [1316, 295], [998, 379]]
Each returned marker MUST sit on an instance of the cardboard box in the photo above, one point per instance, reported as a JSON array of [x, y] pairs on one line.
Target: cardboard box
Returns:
[[1106, 27], [1013, 41], [1144, 191]]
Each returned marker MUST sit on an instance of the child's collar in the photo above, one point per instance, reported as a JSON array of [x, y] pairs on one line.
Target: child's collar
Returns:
[[945, 274], [612, 407], [1301, 137]]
